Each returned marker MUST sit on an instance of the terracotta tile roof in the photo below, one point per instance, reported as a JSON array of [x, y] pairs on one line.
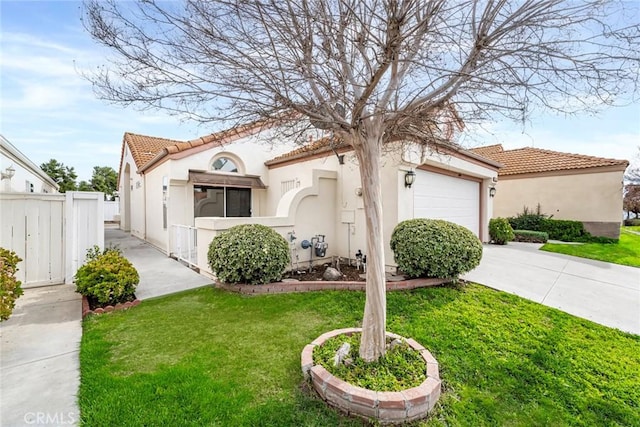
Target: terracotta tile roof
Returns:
[[144, 148], [535, 160], [488, 150], [213, 140], [323, 145], [320, 146]]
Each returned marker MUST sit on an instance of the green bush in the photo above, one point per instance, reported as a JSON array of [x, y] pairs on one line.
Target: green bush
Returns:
[[564, 230], [528, 219], [632, 222], [434, 248], [250, 253], [107, 277], [557, 229], [500, 231], [530, 236], [10, 288]]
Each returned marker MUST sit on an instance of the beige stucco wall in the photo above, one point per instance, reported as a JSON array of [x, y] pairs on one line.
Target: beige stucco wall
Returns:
[[587, 197], [350, 227], [157, 235]]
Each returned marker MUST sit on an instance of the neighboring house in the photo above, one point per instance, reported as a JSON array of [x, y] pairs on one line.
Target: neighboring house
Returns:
[[308, 193], [21, 175], [567, 186]]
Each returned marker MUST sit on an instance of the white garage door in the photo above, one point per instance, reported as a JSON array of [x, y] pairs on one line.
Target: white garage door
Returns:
[[445, 197]]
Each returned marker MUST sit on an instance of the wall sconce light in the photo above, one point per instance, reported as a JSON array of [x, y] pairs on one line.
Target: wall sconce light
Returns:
[[8, 173], [492, 192], [409, 178]]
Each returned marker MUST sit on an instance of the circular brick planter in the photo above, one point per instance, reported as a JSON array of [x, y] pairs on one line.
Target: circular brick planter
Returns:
[[387, 407]]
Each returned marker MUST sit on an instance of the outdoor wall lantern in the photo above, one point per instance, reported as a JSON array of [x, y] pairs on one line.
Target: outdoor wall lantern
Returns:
[[492, 192], [409, 178], [8, 173]]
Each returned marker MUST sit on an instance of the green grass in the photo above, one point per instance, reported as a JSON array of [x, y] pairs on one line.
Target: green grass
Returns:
[[210, 358], [625, 252]]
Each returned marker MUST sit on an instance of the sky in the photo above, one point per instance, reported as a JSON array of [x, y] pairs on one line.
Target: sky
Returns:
[[48, 110]]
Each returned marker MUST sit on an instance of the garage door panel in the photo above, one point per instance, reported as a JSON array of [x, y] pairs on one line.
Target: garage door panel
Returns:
[[445, 197]]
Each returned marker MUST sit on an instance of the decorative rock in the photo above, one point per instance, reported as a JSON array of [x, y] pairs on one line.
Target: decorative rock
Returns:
[[393, 344], [341, 354], [394, 277], [331, 274]]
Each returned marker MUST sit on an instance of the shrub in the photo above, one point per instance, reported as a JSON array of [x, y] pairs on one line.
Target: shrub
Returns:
[[250, 253], [530, 236], [500, 231], [528, 219], [434, 248], [10, 288], [107, 277], [564, 230], [632, 222]]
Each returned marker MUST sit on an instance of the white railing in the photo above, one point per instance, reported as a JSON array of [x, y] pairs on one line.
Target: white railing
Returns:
[[184, 245]]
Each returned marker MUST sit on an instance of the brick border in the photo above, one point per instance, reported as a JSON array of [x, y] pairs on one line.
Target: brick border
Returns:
[[108, 309], [387, 407], [287, 287]]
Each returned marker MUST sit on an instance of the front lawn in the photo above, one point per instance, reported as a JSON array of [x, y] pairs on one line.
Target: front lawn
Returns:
[[625, 252], [210, 358]]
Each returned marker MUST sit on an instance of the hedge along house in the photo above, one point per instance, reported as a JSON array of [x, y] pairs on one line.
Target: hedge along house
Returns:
[[567, 186], [311, 194]]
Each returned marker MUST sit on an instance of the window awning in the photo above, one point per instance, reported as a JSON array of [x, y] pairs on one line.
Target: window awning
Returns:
[[225, 180]]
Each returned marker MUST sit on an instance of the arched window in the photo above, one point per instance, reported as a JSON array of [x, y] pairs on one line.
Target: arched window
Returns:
[[224, 164]]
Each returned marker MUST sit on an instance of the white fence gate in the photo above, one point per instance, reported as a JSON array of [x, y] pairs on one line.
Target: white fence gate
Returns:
[[183, 244], [51, 233]]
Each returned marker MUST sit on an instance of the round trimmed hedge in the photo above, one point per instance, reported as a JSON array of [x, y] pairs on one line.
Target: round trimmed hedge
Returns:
[[434, 248], [107, 277], [250, 253]]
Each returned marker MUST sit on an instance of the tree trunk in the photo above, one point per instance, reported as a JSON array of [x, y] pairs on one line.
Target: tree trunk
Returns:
[[369, 155]]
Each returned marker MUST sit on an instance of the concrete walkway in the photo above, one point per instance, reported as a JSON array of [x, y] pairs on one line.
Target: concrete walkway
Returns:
[[159, 274], [40, 368], [604, 293]]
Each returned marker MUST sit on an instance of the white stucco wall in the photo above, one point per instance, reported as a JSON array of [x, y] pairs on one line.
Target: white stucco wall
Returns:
[[134, 220]]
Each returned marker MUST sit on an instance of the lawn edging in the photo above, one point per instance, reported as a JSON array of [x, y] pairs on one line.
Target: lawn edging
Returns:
[[297, 286], [108, 309], [385, 406]]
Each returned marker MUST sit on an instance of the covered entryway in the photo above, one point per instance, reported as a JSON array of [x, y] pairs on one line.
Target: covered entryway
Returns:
[[449, 196], [223, 195]]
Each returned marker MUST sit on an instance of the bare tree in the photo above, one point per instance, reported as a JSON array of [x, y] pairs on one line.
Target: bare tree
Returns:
[[632, 175], [370, 71]]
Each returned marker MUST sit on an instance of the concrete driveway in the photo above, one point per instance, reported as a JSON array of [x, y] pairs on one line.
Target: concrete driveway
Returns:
[[604, 293]]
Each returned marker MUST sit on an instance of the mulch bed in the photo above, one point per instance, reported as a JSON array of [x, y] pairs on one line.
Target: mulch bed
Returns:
[[349, 274]]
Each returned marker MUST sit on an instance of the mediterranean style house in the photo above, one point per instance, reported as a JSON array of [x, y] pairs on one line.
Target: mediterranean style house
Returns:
[[178, 195]]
